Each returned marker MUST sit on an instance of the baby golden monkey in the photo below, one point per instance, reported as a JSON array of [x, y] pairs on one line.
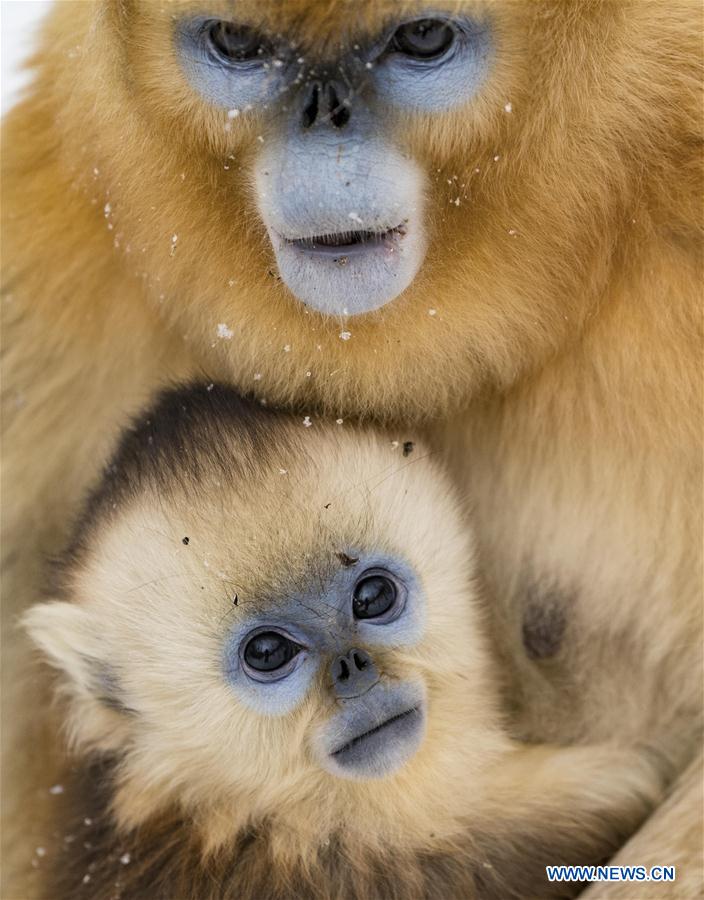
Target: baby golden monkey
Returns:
[[275, 677], [484, 213]]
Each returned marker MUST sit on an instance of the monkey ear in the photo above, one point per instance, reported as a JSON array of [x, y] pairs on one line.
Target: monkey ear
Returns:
[[69, 637], [73, 642]]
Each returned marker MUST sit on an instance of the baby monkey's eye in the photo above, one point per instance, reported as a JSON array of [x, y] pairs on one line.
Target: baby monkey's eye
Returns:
[[269, 651], [423, 39], [237, 43], [375, 597]]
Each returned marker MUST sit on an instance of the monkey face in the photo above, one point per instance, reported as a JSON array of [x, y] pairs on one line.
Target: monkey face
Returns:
[[344, 636], [357, 207], [349, 228], [259, 615], [342, 200]]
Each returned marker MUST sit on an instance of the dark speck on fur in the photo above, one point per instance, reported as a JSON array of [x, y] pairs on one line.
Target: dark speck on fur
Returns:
[[346, 560]]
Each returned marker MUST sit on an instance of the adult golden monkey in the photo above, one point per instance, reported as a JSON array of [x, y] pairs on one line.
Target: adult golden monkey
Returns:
[[480, 214]]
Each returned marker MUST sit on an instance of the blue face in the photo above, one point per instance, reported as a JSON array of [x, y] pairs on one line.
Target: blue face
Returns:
[[271, 660], [225, 69], [431, 63], [342, 203]]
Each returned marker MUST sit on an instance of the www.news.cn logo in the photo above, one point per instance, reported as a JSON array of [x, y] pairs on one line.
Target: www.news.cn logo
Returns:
[[610, 873]]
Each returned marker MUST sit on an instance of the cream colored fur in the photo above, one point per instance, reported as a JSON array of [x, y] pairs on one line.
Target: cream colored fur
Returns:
[[156, 613]]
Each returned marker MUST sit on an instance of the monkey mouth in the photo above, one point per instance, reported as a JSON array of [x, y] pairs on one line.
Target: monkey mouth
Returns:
[[399, 725], [348, 271], [372, 736], [349, 243]]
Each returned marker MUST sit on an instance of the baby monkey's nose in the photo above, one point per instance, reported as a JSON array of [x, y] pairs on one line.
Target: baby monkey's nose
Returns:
[[353, 674]]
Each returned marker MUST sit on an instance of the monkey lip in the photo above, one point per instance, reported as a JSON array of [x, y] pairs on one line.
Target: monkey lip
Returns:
[[374, 735], [349, 243], [349, 272], [397, 726]]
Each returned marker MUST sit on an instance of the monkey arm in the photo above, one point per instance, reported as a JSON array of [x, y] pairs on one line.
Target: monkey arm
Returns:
[[672, 836], [548, 805]]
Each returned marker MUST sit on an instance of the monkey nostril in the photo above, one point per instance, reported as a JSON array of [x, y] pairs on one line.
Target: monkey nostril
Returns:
[[339, 113], [344, 673], [310, 110], [340, 117], [360, 662]]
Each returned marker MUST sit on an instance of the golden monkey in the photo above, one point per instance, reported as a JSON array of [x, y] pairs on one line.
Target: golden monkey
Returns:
[[275, 678], [485, 217]]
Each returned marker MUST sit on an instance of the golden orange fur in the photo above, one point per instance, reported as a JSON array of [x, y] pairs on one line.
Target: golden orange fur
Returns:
[[561, 373]]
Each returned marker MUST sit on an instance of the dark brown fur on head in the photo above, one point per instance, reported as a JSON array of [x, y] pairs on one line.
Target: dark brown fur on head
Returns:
[[168, 446]]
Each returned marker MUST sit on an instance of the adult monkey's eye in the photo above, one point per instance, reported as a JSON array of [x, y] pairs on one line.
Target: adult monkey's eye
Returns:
[[423, 39], [374, 597], [269, 651], [238, 43]]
